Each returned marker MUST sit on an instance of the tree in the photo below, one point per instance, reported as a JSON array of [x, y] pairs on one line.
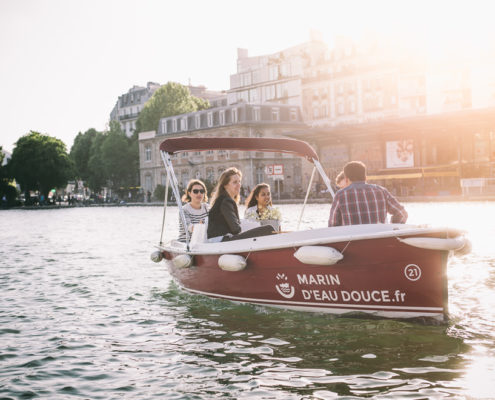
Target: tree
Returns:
[[8, 191], [96, 173], [170, 99], [40, 162], [80, 153], [118, 159]]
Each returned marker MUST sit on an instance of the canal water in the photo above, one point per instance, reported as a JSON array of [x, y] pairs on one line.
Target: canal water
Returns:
[[85, 314]]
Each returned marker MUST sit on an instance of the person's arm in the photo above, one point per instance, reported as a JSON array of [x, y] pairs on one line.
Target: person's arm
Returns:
[[397, 210], [228, 208]]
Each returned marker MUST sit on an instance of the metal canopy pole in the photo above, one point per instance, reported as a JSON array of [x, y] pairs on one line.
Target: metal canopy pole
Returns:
[[306, 198], [324, 176], [175, 191], [164, 209]]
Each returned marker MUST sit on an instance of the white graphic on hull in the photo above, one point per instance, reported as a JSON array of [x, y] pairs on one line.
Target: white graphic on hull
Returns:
[[284, 289]]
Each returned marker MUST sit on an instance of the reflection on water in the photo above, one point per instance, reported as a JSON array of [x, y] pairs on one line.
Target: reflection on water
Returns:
[[84, 313]]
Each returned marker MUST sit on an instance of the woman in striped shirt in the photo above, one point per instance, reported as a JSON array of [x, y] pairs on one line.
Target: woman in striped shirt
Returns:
[[195, 209]]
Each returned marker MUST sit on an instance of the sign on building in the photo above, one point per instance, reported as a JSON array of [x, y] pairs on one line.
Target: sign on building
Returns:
[[400, 154]]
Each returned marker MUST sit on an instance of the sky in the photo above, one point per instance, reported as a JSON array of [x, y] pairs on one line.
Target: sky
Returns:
[[65, 62]]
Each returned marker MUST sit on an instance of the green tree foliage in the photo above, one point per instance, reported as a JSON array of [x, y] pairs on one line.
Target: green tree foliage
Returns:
[[170, 99], [8, 190], [97, 178], [40, 162], [81, 152], [118, 158]]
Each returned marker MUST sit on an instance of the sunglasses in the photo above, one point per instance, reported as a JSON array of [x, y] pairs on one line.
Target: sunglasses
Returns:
[[196, 191]]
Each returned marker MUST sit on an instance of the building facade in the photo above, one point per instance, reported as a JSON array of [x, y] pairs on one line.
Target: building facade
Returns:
[[427, 155], [241, 120], [129, 105], [274, 78]]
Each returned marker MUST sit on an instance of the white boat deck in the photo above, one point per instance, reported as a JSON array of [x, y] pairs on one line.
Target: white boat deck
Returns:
[[303, 238]]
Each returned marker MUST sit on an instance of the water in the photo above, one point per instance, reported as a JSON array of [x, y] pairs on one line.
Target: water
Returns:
[[85, 314]]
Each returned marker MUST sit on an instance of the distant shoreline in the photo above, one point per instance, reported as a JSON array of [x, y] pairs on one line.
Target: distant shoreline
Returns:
[[408, 199]]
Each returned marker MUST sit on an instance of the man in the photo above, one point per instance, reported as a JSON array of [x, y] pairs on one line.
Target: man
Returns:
[[363, 203]]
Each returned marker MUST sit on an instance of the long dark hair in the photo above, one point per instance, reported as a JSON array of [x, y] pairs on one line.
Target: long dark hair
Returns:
[[251, 200], [222, 181], [186, 197]]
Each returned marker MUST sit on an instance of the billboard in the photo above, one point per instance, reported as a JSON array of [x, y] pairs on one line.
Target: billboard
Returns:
[[400, 154]]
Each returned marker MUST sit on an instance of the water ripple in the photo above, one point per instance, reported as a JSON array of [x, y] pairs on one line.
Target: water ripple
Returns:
[[85, 314]]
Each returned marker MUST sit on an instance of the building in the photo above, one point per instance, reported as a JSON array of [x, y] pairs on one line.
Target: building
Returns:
[[428, 155], [274, 78], [240, 120], [129, 105], [356, 83]]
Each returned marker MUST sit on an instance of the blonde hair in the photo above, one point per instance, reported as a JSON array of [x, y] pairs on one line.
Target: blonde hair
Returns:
[[222, 181]]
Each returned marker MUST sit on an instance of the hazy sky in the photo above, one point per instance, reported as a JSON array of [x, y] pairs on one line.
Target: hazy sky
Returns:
[[65, 62]]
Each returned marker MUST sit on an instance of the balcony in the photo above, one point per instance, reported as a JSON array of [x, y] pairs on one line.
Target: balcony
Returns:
[[128, 116]]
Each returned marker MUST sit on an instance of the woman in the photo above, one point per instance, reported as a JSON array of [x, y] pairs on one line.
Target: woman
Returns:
[[224, 223], [259, 206], [195, 209]]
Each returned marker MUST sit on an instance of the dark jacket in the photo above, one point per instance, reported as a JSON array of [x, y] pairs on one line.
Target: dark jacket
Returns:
[[223, 217]]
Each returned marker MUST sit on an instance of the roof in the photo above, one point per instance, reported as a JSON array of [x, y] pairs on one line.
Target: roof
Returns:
[[278, 145]]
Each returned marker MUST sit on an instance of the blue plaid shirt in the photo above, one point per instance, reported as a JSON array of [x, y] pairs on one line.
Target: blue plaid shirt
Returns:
[[364, 203]]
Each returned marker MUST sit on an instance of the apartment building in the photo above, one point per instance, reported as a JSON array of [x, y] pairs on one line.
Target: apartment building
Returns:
[[273, 78], [239, 120], [129, 105]]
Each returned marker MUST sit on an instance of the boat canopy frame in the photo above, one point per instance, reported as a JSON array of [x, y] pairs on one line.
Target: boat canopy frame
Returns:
[[176, 145]]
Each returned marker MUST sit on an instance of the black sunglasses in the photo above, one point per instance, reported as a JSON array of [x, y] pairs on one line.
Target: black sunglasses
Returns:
[[196, 191]]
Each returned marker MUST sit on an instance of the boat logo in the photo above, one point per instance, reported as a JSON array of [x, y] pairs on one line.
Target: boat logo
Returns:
[[284, 288], [412, 272]]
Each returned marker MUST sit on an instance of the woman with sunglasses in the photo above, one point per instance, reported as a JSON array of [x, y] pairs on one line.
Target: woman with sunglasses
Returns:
[[195, 209], [224, 223]]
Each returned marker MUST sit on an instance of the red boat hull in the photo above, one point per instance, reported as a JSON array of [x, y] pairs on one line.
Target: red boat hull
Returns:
[[381, 276]]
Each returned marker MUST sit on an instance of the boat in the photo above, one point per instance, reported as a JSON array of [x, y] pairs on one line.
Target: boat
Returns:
[[384, 270]]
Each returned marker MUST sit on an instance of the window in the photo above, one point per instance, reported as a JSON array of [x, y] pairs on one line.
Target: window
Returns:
[[256, 113], [234, 115], [210, 175], [275, 114], [221, 116], [270, 92], [210, 119], [147, 153], [273, 73], [164, 126], [293, 114], [259, 174], [183, 124], [253, 95], [324, 110], [174, 125], [315, 112], [198, 121]]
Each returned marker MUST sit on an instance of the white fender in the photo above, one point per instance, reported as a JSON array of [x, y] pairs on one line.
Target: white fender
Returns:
[[156, 256], [182, 260], [435, 243], [232, 262], [318, 255]]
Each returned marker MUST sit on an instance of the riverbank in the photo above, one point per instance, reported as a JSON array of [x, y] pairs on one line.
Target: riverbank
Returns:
[[409, 199]]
